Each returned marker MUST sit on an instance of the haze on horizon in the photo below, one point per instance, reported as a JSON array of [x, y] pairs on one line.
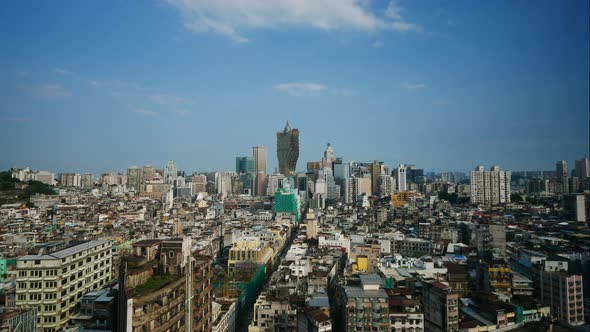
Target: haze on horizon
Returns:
[[97, 87]]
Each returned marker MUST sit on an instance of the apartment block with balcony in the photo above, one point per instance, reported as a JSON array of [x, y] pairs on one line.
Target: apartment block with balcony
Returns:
[[55, 281], [441, 307]]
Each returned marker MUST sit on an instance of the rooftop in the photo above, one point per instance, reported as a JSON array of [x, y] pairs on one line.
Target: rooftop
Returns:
[[66, 252]]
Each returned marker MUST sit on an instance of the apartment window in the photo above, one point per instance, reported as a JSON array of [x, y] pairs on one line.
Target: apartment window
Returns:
[[37, 261], [171, 254], [22, 273]]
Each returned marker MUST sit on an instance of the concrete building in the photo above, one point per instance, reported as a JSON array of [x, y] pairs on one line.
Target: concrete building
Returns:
[[562, 292], [288, 149], [249, 253], [400, 178], [55, 282], [165, 287], [365, 307], [490, 187], [224, 315], [583, 168], [575, 207], [273, 314], [18, 319], [562, 175], [170, 172], [441, 307]]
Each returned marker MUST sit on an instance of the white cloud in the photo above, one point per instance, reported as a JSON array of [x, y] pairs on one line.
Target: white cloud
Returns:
[[169, 100], [394, 12], [65, 72], [412, 86], [98, 84], [145, 112], [51, 90], [230, 17], [377, 44], [301, 89]]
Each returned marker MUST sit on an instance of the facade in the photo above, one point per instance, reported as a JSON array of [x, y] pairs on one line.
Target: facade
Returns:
[[441, 307], [170, 172], [248, 253], [273, 314], [288, 149], [562, 175], [287, 200], [400, 177], [366, 307], [134, 178], [490, 187], [259, 156], [583, 168], [164, 287], [23, 319], [563, 293], [224, 316], [56, 281], [244, 165]]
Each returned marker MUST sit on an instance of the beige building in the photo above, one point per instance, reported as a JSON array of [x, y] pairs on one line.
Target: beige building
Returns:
[[56, 281], [248, 253]]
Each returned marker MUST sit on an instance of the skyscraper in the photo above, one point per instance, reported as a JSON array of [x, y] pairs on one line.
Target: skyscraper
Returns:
[[400, 177], [583, 168], [259, 155], [328, 158], [287, 149], [244, 165], [562, 175], [170, 172]]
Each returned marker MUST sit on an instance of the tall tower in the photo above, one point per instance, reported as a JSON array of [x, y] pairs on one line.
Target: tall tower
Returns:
[[259, 155], [170, 172], [562, 175], [328, 158], [288, 149]]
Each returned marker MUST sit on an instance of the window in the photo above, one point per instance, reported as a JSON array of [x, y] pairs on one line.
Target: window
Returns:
[[171, 254]]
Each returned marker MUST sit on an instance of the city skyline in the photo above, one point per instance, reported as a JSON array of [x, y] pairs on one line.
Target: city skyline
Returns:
[[79, 95]]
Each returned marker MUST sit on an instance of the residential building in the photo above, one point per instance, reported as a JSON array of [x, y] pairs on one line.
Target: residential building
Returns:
[[490, 187], [441, 307], [562, 175], [365, 307], [55, 282]]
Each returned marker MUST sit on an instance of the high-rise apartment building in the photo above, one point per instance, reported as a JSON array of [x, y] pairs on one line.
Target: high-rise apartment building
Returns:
[[490, 187], [560, 290], [441, 307], [562, 175], [400, 177], [365, 307], [134, 178], [583, 168], [199, 182], [54, 282], [288, 149]]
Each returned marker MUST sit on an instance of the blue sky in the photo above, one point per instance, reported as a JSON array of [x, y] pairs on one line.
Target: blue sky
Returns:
[[446, 85]]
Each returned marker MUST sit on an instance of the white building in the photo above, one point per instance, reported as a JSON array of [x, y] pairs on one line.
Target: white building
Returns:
[[490, 187], [400, 178], [56, 281]]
